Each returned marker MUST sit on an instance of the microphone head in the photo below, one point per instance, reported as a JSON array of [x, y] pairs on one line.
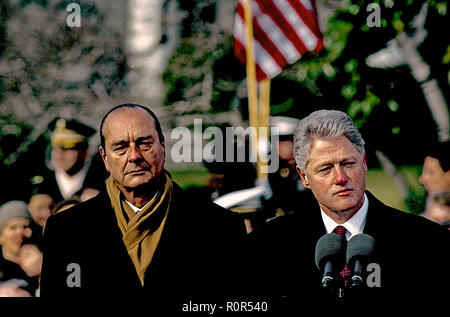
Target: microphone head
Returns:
[[360, 247], [329, 247]]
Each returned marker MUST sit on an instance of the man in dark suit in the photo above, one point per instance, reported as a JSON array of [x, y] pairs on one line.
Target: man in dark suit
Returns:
[[143, 236], [411, 253]]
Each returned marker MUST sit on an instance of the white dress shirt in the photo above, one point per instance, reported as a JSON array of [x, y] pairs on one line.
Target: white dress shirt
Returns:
[[354, 225], [137, 209]]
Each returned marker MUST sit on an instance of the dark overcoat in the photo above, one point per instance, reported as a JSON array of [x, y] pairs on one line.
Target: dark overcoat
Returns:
[[411, 251], [199, 252]]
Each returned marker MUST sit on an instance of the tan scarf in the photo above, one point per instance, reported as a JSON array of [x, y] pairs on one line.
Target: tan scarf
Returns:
[[141, 231]]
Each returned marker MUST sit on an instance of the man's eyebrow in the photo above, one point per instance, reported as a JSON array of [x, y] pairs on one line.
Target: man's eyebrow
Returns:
[[144, 138], [322, 165], [121, 142], [328, 162], [140, 139]]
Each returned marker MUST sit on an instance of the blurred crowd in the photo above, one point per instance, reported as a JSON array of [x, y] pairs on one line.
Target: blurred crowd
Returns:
[[73, 177]]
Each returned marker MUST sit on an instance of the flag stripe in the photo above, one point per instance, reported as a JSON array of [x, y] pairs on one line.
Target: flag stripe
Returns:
[[283, 36], [308, 5], [266, 62], [285, 25], [239, 36], [283, 31], [265, 41], [266, 66], [303, 32], [308, 16]]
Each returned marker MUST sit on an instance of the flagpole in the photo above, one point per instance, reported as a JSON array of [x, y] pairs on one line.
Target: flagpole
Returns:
[[272, 61], [264, 112], [252, 91]]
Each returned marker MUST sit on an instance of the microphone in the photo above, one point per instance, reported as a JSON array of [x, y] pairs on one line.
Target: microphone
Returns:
[[360, 249], [330, 253]]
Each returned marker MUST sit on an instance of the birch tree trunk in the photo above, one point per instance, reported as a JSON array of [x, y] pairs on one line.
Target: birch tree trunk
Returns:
[[146, 57]]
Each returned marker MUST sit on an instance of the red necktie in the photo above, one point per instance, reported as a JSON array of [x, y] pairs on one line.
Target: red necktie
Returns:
[[345, 272]]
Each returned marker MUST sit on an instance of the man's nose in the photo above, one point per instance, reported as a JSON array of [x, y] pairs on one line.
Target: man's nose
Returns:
[[135, 153], [341, 176], [422, 178], [21, 233]]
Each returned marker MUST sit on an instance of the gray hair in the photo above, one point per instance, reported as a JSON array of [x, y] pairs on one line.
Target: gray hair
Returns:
[[324, 124]]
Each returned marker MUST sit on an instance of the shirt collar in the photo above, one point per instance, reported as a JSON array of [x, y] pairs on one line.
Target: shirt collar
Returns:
[[354, 225], [69, 185], [136, 209]]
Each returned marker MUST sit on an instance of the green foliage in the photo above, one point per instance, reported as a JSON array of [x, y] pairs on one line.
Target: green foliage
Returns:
[[203, 76], [281, 108], [191, 177], [416, 201], [338, 77], [199, 68]]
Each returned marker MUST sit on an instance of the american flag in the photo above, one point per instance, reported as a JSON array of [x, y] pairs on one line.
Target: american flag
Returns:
[[283, 31]]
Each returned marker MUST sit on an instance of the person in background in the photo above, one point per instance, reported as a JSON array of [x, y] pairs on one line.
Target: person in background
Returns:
[[287, 188], [30, 260], [435, 178], [227, 175], [281, 192], [436, 169], [15, 228], [72, 169], [40, 206]]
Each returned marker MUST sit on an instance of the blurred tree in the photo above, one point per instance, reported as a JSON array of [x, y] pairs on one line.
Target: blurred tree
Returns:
[[56, 65], [387, 104], [203, 76], [48, 69], [340, 76]]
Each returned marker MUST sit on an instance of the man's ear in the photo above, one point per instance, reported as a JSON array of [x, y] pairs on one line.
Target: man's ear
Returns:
[[104, 157], [303, 177]]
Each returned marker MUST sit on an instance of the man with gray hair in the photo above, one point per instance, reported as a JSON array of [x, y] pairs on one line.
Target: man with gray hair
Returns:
[[404, 248], [330, 157]]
